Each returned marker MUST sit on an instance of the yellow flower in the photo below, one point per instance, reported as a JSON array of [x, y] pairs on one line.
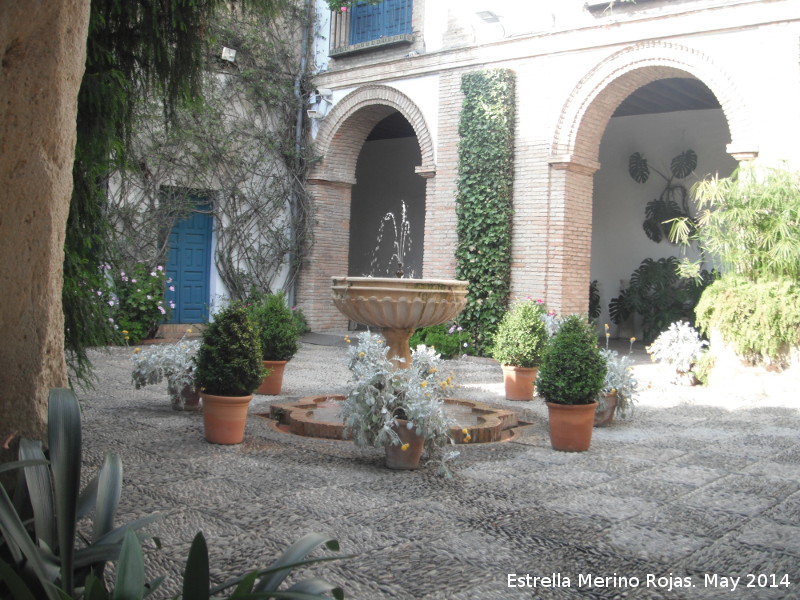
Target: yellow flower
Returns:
[[432, 370], [467, 438], [361, 355], [404, 447], [124, 332], [606, 326], [136, 350], [424, 383], [347, 339], [189, 330], [465, 431], [633, 339], [380, 342]]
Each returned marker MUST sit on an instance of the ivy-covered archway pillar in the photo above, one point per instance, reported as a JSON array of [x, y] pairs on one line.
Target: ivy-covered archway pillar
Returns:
[[569, 227], [327, 253]]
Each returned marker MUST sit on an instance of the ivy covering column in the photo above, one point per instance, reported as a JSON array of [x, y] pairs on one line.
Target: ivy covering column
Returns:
[[483, 201]]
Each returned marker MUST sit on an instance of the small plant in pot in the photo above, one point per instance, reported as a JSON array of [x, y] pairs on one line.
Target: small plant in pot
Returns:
[[679, 346], [228, 370], [571, 375], [278, 334], [618, 394], [173, 362], [400, 410], [518, 345]]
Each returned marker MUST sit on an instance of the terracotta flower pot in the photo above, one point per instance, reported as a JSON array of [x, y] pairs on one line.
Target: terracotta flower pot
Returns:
[[396, 457], [272, 383], [603, 418], [519, 382], [224, 418], [571, 426]]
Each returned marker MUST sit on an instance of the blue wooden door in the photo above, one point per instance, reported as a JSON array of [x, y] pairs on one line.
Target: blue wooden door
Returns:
[[189, 266]]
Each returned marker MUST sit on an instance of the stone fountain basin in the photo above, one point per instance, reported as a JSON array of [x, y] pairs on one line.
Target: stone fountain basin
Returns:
[[313, 417], [398, 303]]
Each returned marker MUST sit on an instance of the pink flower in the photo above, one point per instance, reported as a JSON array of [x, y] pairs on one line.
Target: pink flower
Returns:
[[153, 274], [161, 309], [172, 288], [540, 302], [133, 281], [343, 9], [159, 268]]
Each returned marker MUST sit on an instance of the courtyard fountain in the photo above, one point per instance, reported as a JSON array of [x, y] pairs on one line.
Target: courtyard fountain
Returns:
[[397, 306]]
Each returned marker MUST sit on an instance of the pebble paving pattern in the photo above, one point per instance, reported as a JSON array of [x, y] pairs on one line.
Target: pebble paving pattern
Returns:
[[693, 486]]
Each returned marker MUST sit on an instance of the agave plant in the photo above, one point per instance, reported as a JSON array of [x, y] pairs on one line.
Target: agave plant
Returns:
[[48, 561], [45, 563]]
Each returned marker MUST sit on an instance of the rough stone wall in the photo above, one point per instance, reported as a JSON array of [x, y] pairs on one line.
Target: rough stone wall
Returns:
[[42, 56]]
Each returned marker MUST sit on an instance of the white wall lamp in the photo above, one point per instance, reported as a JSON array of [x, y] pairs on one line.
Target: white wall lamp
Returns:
[[319, 102]]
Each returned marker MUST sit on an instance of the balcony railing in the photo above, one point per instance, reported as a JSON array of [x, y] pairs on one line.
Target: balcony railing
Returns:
[[366, 26]]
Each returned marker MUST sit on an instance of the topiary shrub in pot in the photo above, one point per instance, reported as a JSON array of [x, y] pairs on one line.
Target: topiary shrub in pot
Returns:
[[278, 334], [229, 369], [571, 374], [518, 345]]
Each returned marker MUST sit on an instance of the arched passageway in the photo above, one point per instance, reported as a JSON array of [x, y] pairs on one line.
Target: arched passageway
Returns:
[[341, 198], [575, 151]]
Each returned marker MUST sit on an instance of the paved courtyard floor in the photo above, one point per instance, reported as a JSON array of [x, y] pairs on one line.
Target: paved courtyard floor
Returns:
[[697, 493]]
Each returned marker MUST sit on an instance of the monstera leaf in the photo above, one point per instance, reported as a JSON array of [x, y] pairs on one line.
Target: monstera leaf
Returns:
[[637, 167], [658, 216], [683, 164]]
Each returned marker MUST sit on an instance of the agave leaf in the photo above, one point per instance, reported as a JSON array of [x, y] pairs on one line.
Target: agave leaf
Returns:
[[40, 492], [108, 494], [94, 589], [18, 464], [294, 553], [18, 588], [637, 167], [64, 441], [21, 545], [130, 574], [316, 587], [196, 576], [88, 497], [245, 586], [107, 547], [683, 164]]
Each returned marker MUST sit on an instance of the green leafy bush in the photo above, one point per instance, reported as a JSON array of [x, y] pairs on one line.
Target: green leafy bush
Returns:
[[660, 295], [483, 199], [276, 325], [679, 346], [449, 340], [141, 301], [760, 318], [572, 370], [522, 335], [229, 359]]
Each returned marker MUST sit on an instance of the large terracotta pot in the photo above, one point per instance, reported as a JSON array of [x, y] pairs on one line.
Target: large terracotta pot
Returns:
[[603, 418], [519, 382], [571, 426], [396, 457], [272, 383], [224, 418]]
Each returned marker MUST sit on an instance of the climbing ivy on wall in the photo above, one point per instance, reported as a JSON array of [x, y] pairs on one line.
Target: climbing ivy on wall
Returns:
[[483, 201]]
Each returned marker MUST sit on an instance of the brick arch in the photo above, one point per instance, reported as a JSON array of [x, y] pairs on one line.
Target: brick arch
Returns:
[[347, 125], [586, 114]]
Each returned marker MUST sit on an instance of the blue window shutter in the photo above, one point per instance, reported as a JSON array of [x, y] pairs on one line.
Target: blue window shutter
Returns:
[[373, 21]]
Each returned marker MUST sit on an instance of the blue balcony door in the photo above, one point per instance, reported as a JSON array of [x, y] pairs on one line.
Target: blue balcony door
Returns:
[[189, 266], [373, 21]]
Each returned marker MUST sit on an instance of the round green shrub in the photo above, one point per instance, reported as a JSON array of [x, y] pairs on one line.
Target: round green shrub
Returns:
[[572, 370], [229, 359], [276, 326], [522, 335]]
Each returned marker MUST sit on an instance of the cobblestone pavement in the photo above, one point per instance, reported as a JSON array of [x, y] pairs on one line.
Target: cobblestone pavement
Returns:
[[695, 489]]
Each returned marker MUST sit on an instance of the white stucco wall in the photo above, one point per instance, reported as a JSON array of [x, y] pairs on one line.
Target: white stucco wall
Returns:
[[619, 244]]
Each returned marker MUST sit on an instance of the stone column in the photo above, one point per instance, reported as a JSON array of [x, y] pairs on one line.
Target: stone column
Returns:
[[42, 57]]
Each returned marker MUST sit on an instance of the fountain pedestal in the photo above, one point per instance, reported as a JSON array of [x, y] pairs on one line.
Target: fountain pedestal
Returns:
[[397, 307]]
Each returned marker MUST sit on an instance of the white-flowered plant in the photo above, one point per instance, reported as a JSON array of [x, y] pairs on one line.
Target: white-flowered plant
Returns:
[[382, 395], [173, 362], [619, 378], [679, 346]]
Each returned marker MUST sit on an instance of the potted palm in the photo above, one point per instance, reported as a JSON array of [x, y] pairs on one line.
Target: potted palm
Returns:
[[400, 410], [518, 345], [571, 374], [278, 334], [228, 370]]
